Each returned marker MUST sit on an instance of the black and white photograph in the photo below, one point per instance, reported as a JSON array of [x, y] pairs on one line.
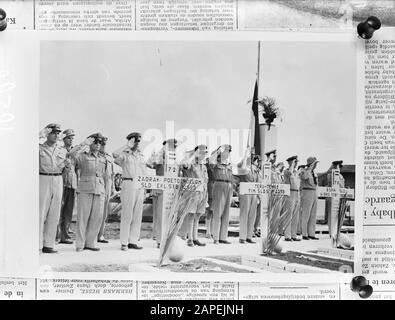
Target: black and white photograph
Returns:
[[198, 156]]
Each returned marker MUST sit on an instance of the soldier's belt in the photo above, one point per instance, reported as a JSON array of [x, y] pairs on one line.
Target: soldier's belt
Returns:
[[130, 179], [294, 190], [50, 174], [221, 180], [309, 189]]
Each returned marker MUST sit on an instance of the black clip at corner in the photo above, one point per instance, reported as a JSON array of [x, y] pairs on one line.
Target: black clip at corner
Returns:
[[3, 20], [361, 285], [367, 28]]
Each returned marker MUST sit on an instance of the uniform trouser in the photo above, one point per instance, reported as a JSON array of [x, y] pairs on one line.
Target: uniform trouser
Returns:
[[293, 206], [66, 213], [106, 209], [190, 226], [309, 212], [89, 218], [157, 208], [257, 222], [50, 201], [333, 217], [132, 212], [222, 197], [248, 208]]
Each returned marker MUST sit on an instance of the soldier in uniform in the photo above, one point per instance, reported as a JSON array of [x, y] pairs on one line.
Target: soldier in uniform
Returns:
[[308, 199], [333, 219], [52, 160], [196, 169], [209, 209], [300, 169], [293, 200], [258, 214], [69, 189], [90, 191], [109, 188], [248, 171], [271, 157], [222, 192], [157, 162], [132, 162]]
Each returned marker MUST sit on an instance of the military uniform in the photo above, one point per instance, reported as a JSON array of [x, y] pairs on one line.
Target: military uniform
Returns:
[[198, 206], [248, 205], [308, 200], [52, 160], [90, 197], [157, 205], [333, 218], [222, 198], [292, 203], [132, 198], [69, 191], [158, 163], [108, 178]]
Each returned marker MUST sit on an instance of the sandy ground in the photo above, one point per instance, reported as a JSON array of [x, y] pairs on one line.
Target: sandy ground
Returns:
[[111, 258], [270, 15]]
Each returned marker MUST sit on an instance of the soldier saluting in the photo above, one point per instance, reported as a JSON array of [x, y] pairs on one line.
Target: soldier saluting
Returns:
[[52, 160], [133, 164], [90, 192]]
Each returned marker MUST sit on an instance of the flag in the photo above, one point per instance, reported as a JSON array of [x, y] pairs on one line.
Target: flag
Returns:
[[255, 136]]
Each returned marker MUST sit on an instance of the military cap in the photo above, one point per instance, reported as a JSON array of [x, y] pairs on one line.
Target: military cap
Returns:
[[201, 147], [68, 133], [256, 157], [97, 136], [133, 135], [267, 154], [311, 160], [279, 164], [55, 127], [302, 166], [337, 163], [169, 141], [226, 147], [292, 158]]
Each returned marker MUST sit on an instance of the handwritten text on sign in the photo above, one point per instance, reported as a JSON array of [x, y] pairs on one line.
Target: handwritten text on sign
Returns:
[[331, 192], [169, 183], [262, 188]]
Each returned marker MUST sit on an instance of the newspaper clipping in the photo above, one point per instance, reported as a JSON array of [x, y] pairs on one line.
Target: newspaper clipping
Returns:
[[199, 166]]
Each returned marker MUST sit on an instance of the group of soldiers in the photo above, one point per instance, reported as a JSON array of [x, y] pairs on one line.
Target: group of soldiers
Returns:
[[86, 172]]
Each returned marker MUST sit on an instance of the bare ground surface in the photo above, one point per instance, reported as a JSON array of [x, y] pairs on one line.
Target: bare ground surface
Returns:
[[201, 265]]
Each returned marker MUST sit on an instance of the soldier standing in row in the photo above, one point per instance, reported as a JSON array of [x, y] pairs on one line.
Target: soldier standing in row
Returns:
[[157, 162], [333, 217], [222, 192], [90, 192], [293, 200], [196, 169], [52, 160], [132, 162], [248, 172], [109, 189], [69, 189], [308, 199]]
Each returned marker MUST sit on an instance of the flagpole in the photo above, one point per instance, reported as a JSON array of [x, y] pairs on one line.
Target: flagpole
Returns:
[[259, 62]]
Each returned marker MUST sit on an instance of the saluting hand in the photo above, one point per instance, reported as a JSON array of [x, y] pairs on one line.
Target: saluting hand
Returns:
[[44, 132], [88, 141]]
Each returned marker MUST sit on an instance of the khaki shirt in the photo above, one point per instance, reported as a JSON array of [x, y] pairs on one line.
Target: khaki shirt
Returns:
[[69, 173], [308, 179], [222, 172], [251, 176], [92, 171], [51, 159], [292, 179], [132, 163]]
